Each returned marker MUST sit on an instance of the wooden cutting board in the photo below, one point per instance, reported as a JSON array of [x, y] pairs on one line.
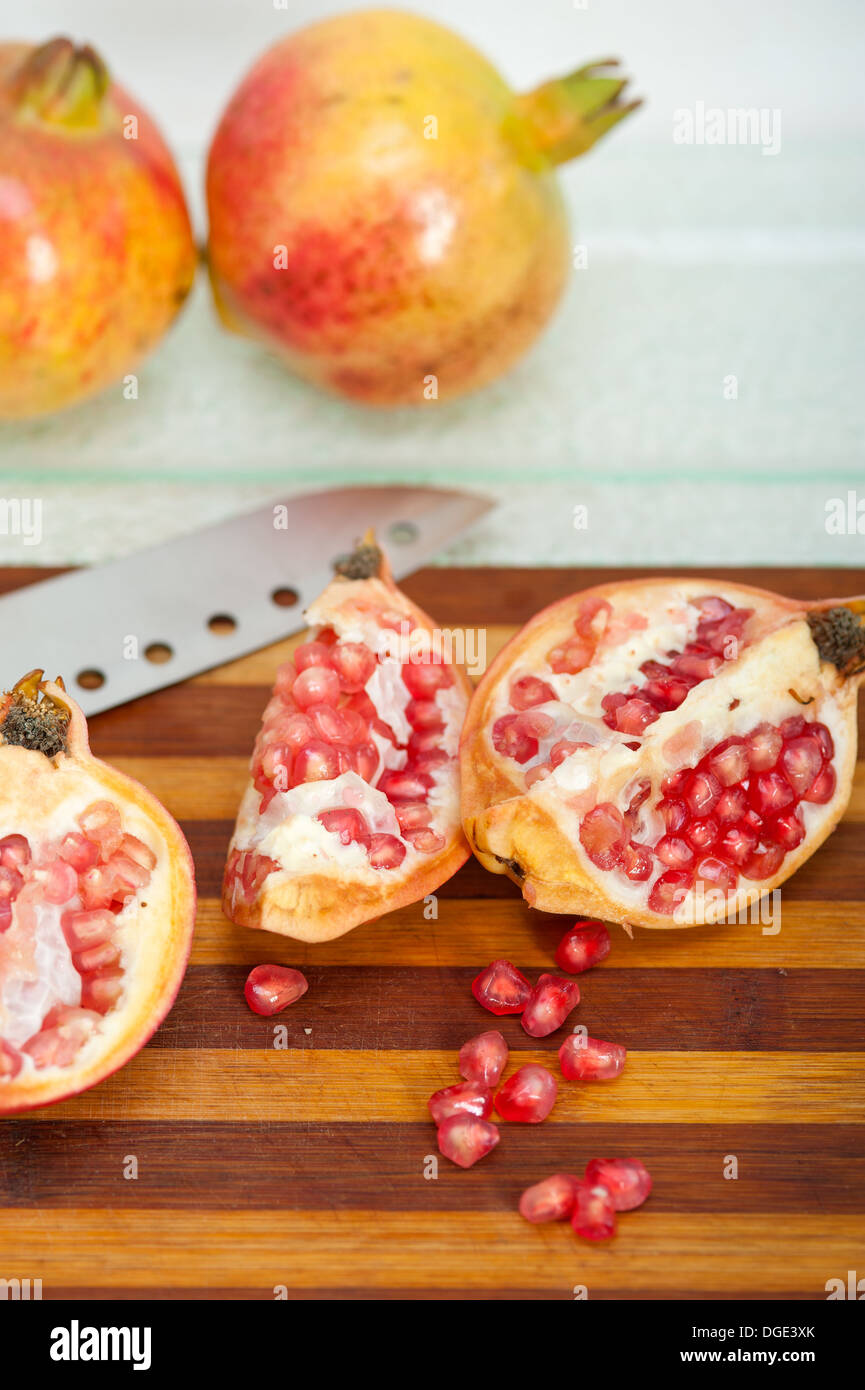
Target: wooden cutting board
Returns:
[[306, 1169]]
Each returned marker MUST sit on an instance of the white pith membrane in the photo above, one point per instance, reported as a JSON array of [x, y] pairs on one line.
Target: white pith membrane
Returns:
[[287, 830], [777, 656], [37, 973]]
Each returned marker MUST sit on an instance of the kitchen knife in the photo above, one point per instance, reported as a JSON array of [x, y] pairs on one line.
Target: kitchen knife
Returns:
[[121, 630]]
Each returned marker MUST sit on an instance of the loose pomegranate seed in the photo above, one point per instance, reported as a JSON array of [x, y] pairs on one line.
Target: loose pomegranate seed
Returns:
[[14, 851], [317, 761], [271, 988], [316, 685], [702, 793], [764, 864], [737, 844], [593, 1216], [404, 785], [347, 823], [786, 830], [769, 793], [311, 654], [675, 852], [550, 1200], [590, 1059], [549, 1004], [627, 1180], [732, 805], [729, 762], [669, 891], [823, 788], [530, 691], [386, 852], [501, 988], [465, 1138], [466, 1098], [484, 1058], [528, 1096], [764, 745], [584, 945], [10, 1060], [423, 679], [354, 664], [603, 835]]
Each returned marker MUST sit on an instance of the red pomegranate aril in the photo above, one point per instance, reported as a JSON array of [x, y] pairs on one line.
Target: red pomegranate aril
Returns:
[[529, 691], [316, 762], [101, 822], [58, 881], [311, 654], [712, 607], [786, 830], [549, 1004], [697, 666], [666, 692], [483, 1058], [317, 685], [11, 883], [348, 824], [366, 761], [528, 1096], [138, 851], [128, 874], [702, 793], [637, 862], [386, 851], [465, 1098], [732, 805], [669, 891], [673, 783], [15, 851], [824, 738], [501, 988], [85, 929], [10, 1060], [765, 864], [604, 834], [295, 731], [97, 957], [354, 664], [714, 873], [635, 715], [627, 1180], [511, 740], [563, 749], [96, 886], [823, 787], [736, 844], [702, 834], [675, 852], [423, 679], [425, 840], [539, 773], [427, 762], [593, 1216], [792, 727], [675, 815], [764, 744], [271, 988], [589, 1059], [583, 946], [338, 725], [425, 715], [800, 761], [465, 1139], [404, 785], [101, 992], [769, 793], [571, 657], [413, 815], [550, 1200], [277, 764], [729, 762]]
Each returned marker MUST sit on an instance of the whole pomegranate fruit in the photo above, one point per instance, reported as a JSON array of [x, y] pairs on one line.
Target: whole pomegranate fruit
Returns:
[[663, 752], [384, 210], [96, 248], [97, 901]]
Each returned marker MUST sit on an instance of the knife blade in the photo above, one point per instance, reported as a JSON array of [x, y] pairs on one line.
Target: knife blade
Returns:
[[124, 629]]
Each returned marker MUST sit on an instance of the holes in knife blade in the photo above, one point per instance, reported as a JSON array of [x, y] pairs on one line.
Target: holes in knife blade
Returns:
[[285, 598], [90, 678], [402, 532], [221, 624], [158, 653]]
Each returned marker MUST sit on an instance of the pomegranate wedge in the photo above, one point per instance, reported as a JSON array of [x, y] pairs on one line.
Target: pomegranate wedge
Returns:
[[663, 752], [97, 901], [352, 808]]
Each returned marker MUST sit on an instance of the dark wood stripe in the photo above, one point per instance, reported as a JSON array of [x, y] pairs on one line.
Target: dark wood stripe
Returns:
[[706, 1010], [379, 1167]]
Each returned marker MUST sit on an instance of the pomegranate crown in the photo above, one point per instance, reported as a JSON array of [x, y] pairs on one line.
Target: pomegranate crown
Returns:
[[60, 83], [31, 718]]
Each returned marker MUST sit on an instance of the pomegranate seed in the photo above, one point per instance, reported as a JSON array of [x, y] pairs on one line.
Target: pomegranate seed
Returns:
[[138, 851], [129, 877], [271, 988], [792, 727], [584, 945], [528, 1096], [627, 1180], [423, 679], [317, 685], [563, 749], [354, 664], [465, 1138], [800, 761], [593, 1217], [635, 715], [101, 992], [425, 715], [512, 741], [764, 864], [58, 881], [317, 761], [702, 834], [529, 691], [675, 852], [96, 887], [550, 1200], [413, 815], [675, 815], [311, 654], [729, 762], [85, 929], [673, 784], [101, 822], [404, 785], [702, 793], [572, 656], [484, 1058], [669, 891], [10, 1061], [425, 840], [466, 1098], [326, 636], [724, 635], [347, 823], [769, 793], [715, 873], [338, 725], [698, 666], [823, 788], [603, 835], [96, 957], [589, 1059], [712, 607], [786, 830], [366, 761], [386, 852], [593, 615], [501, 988], [732, 805], [539, 773], [549, 1004], [11, 883], [824, 738], [14, 851], [764, 745], [295, 731], [666, 692], [276, 766], [637, 862]]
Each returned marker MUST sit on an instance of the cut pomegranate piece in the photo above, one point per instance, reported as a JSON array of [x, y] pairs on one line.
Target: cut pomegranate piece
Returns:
[[593, 1216], [501, 988], [271, 988], [529, 691], [584, 945], [466, 1098], [484, 1058], [627, 1180], [550, 1200], [465, 1138], [604, 834], [528, 1096], [549, 1004], [588, 1059]]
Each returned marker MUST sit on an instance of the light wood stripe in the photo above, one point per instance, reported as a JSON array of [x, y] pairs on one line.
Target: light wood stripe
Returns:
[[302, 1084], [151, 1249], [829, 936]]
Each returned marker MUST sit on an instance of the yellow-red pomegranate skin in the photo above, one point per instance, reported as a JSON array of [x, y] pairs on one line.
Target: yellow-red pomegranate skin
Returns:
[[96, 248]]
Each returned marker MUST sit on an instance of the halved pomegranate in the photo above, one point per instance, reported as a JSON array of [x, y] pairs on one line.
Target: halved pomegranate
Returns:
[[97, 902], [664, 751], [352, 808]]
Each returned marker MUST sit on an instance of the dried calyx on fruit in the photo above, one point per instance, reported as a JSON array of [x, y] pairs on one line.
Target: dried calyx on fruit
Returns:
[[353, 803], [664, 751], [97, 902]]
